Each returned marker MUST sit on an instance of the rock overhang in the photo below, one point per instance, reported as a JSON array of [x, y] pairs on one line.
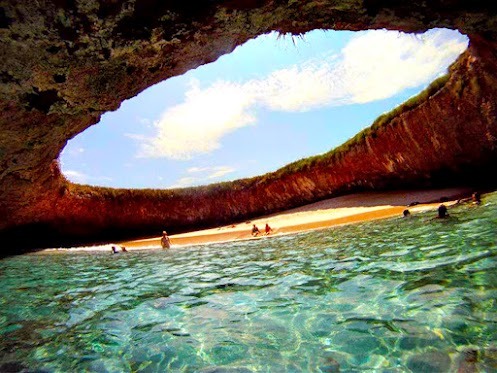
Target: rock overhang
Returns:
[[65, 63]]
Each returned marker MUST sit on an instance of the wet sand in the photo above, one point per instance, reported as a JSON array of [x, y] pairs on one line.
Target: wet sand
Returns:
[[332, 212]]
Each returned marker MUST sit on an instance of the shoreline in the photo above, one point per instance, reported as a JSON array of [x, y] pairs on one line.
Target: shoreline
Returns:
[[349, 209]]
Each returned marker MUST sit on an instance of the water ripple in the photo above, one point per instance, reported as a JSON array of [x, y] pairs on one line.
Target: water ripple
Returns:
[[396, 295]]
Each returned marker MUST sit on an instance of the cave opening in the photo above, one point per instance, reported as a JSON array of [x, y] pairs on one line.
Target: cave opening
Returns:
[[272, 101]]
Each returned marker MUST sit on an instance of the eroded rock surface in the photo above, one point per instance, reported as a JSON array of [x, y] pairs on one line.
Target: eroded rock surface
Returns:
[[66, 62]]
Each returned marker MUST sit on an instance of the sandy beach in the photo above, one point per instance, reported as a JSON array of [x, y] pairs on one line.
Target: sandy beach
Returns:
[[337, 211]]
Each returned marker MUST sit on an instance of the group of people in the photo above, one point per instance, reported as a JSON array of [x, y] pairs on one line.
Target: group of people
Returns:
[[115, 250], [442, 209], [256, 231], [166, 241], [441, 213]]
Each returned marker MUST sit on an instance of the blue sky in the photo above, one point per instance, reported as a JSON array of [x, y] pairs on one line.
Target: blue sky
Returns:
[[272, 101]]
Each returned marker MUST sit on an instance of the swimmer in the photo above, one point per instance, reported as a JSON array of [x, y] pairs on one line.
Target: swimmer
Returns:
[[165, 241], [442, 212]]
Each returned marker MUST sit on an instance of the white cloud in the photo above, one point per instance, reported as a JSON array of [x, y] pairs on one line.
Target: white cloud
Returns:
[[374, 65], [380, 64], [76, 176], [300, 88], [197, 169], [212, 172], [221, 171], [204, 175], [184, 182], [82, 178], [197, 125]]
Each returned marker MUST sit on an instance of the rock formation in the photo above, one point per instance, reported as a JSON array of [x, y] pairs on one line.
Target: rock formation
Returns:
[[66, 62]]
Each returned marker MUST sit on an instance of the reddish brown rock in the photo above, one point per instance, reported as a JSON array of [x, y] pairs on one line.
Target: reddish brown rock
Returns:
[[64, 63]]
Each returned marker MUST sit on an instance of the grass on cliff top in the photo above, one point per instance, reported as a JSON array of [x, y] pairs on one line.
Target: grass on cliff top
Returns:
[[121, 194], [305, 164]]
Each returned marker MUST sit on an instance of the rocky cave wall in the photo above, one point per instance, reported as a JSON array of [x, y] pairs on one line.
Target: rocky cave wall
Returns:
[[66, 62]]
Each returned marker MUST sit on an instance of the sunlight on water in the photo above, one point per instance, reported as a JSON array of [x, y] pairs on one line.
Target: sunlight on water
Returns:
[[415, 295]]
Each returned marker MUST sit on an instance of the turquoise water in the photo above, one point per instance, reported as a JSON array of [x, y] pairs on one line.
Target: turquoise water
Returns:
[[397, 295]]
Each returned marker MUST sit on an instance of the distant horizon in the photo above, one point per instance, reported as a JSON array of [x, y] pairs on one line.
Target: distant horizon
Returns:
[[267, 104]]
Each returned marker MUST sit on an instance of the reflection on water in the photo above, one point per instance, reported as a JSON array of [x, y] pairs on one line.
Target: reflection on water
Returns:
[[399, 295]]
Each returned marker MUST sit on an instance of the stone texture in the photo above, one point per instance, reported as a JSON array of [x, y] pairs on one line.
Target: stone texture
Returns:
[[63, 63]]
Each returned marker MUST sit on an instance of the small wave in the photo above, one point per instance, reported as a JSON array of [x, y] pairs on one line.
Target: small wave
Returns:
[[439, 263], [93, 248]]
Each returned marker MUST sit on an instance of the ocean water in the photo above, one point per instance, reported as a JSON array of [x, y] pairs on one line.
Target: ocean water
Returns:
[[398, 295]]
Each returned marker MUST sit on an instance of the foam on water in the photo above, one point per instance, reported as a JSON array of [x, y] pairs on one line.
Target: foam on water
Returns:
[[398, 295], [97, 248]]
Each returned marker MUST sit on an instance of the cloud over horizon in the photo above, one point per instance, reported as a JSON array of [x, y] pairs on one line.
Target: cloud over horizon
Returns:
[[374, 65], [202, 174], [82, 178]]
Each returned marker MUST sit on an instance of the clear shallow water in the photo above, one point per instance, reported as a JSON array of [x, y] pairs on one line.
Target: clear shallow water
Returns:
[[398, 295]]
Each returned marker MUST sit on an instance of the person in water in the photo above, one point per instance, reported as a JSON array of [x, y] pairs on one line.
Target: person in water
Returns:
[[255, 230], [442, 212], [268, 229], [114, 250], [165, 241], [406, 213], [476, 197]]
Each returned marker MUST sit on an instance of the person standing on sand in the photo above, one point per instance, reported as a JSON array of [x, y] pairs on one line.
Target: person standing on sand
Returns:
[[268, 229], [165, 241], [255, 230]]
